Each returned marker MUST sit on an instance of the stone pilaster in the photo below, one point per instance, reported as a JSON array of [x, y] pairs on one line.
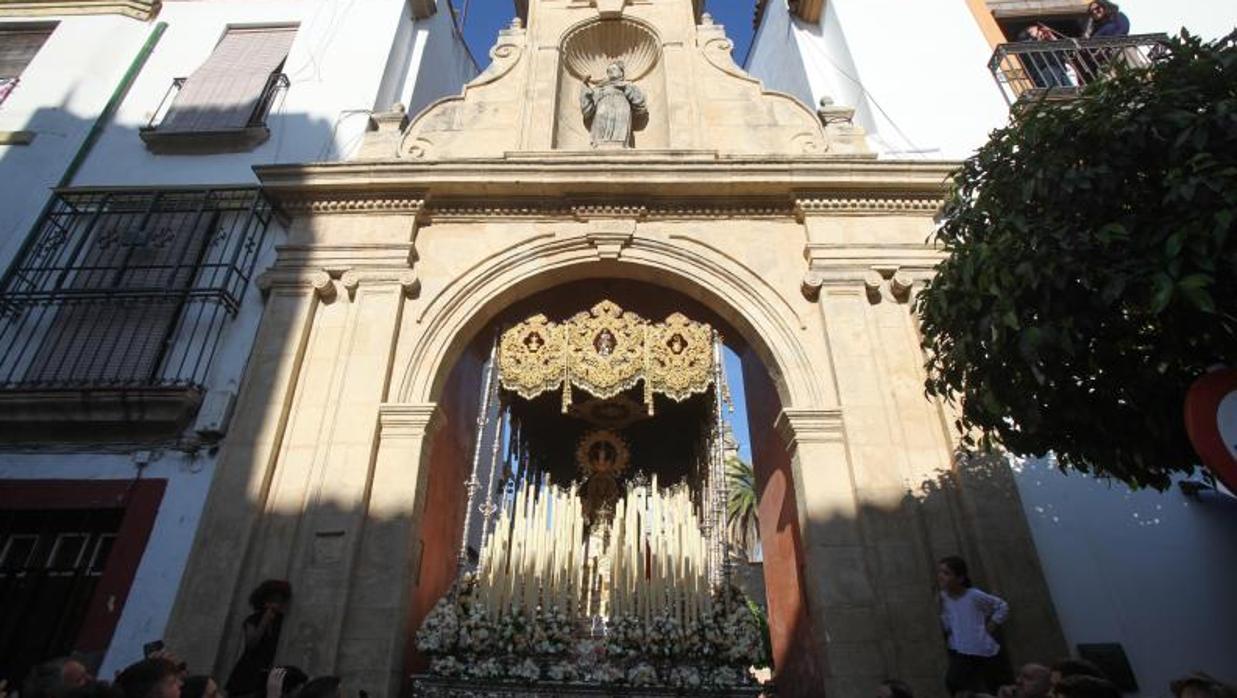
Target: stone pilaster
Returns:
[[329, 455], [386, 568], [841, 592], [212, 581]]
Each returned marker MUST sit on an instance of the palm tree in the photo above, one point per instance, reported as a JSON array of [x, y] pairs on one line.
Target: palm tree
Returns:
[[742, 505]]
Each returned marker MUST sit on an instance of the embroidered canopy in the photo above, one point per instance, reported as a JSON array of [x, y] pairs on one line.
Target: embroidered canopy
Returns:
[[605, 351]]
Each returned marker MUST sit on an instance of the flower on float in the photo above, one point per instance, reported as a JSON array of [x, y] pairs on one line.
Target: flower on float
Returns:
[[490, 668], [642, 674], [446, 666], [562, 672], [440, 631], [526, 670], [603, 673], [686, 677]]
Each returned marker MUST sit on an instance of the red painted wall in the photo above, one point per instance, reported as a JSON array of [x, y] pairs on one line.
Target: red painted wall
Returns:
[[443, 520], [796, 669]]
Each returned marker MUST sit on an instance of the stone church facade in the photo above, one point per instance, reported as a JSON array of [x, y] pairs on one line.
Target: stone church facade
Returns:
[[344, 470]]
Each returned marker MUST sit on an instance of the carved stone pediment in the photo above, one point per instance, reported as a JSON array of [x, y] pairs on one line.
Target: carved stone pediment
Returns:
[[697, 97]]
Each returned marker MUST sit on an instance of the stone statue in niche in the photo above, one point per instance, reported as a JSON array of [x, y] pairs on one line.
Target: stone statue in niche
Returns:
[[612, 109]]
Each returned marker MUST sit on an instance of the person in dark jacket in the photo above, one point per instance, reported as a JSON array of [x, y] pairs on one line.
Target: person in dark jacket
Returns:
[[261, 634], [1106, 20]]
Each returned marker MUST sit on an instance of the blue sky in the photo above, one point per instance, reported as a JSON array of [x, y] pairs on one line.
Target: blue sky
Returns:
[[486, 17]]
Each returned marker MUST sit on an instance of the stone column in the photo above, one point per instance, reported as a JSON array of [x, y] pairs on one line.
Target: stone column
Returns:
[[201, 618], [375, 633]]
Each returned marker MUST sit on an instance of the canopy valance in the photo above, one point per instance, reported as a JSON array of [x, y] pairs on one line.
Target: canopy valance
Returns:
[[605, 351]]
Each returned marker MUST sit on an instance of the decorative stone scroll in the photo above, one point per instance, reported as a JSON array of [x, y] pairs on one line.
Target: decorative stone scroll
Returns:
[[604, 352]]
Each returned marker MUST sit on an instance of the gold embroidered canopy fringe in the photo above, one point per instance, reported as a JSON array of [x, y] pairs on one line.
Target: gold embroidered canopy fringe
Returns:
[[606, 351]]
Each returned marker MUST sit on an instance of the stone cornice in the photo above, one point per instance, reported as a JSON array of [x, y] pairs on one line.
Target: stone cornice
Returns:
[[643, 210], [371, 203], [338, 187], [137, 9], [863, 203]]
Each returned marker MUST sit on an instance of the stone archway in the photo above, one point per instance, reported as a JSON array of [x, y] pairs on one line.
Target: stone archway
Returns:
[[793, 427]]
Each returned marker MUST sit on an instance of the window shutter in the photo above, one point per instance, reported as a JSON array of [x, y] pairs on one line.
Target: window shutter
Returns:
[[114, 340], [18, 46], [223, 93]]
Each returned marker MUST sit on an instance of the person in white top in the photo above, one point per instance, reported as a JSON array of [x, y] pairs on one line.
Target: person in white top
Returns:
[[969, 618]]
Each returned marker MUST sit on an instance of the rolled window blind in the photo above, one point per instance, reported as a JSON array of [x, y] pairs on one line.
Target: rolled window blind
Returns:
[[223, 93], [18, 46]]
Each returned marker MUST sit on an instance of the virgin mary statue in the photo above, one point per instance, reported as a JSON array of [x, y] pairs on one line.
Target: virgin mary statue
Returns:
[[611, 108]]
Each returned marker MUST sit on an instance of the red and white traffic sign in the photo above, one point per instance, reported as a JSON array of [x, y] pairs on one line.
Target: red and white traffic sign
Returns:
[[1211, 421]]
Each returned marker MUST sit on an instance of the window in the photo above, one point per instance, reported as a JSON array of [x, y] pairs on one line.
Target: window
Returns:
[[223, 104], [124, 295], [18, 44]]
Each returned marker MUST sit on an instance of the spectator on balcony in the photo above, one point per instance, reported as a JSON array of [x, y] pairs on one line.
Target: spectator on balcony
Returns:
[[1106, 20], [1046, 68], [261, 635]]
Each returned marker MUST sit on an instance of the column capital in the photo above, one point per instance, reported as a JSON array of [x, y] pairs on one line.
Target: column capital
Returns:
[[319, 281], [809, 426], [408, 420]]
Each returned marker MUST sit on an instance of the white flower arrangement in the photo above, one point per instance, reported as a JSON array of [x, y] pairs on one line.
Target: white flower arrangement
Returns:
[[686, 677], [603, 673], [446, 666], [527, 671], [440, 631], [490, 668], [642, 674], [723, 677], [713, 652], [562, 672]]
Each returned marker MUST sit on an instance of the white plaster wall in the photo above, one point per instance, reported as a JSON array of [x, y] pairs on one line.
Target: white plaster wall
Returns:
[[1153, 571], [1210, 19], [158, 575], [916, 72], [61, 91], [776, 56], [335, 66], [344, 51]]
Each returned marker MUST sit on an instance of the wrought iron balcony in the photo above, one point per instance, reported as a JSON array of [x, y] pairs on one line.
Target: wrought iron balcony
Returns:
[[1031, 70], [170, 132], [126, 292]]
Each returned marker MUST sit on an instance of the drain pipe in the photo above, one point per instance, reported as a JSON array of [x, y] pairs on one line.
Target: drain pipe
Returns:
[[88, 143], [109, 110]]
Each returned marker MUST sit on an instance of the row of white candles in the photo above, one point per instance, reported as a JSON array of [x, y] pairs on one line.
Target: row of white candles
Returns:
[[655, 562]]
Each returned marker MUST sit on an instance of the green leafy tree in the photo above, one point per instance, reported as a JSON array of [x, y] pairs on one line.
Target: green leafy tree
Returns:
[[1092, 269]]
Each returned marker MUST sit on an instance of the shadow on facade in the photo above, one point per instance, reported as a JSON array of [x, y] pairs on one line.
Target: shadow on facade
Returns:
[[72, 294]]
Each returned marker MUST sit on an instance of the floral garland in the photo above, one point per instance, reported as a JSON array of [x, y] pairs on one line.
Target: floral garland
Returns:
[[465, 640]]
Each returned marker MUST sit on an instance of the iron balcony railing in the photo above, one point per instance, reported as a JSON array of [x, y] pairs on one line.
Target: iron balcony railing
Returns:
[[1028, 70], [275, 83], [128, 289]]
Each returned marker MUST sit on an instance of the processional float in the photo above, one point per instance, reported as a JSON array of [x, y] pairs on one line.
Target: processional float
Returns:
[[613, 577]]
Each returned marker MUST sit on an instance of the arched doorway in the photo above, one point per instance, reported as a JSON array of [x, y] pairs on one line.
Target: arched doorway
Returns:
[[452, 449]]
